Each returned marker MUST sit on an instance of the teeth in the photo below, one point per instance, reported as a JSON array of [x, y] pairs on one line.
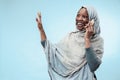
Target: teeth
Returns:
[[79, 23]]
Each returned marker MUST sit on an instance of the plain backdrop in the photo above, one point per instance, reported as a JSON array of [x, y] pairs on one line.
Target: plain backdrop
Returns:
[[21, 54]]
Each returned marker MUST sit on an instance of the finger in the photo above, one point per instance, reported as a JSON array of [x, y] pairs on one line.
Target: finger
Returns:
[[92, 22], [37, 19], [38, 22], [86, 26], [87, 29], [39, 15], [87, 32], [91, 28]]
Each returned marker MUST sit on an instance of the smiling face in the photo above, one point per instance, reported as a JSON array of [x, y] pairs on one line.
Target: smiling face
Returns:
[[82, 19]]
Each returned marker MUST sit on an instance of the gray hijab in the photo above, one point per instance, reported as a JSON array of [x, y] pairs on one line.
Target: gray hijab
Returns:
[[93, 15]]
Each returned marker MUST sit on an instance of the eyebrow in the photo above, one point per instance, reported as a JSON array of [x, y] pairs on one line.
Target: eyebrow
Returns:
[[84, 15]]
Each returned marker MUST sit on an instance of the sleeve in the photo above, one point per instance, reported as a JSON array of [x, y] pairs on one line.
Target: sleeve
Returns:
[[92, 59], [43, 43]]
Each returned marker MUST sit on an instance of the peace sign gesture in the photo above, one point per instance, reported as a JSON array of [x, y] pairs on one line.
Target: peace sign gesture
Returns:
[[40, 27], [39, 21]]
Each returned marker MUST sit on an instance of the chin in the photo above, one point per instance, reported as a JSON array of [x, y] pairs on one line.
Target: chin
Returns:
[[80, 28]]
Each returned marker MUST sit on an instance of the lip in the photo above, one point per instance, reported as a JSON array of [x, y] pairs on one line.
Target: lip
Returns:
[[79, 24]]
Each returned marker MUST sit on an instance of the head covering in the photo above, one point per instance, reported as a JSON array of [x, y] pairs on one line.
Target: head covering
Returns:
[[92, 13]]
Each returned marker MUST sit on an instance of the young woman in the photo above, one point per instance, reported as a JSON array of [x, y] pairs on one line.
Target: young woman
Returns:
[[78, 55]]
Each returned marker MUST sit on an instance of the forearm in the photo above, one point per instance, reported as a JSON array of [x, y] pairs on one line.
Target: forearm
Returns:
[[42, 35], [92, 59], [87, 43], [42, 32], [43, 43]]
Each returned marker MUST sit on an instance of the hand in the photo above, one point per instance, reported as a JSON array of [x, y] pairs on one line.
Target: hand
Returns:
[[40, 27], [89, 29], [39, 21]]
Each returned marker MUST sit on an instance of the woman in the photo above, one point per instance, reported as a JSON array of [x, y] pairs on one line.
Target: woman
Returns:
[[79, 54]]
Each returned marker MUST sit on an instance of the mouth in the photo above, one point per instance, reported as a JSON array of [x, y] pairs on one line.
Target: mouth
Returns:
[[80, 25]]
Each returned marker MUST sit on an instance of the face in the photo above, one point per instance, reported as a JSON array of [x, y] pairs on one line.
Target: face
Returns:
[[82, 19]]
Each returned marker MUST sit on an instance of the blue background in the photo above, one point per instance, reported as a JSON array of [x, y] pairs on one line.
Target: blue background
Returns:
[[21, 54]]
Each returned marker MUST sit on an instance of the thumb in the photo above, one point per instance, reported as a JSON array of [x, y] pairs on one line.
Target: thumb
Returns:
[[37, 19], [92, 22]]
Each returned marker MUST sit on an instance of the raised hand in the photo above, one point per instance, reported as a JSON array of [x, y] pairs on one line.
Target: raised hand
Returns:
[[89, 32], [40, 27], [89, 29], [39, 21]]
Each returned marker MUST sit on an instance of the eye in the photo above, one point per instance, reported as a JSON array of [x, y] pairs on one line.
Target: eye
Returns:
[[85, 17], [78, 15]]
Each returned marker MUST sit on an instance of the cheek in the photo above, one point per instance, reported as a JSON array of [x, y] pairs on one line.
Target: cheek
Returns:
[[86, 21], [76, 18]]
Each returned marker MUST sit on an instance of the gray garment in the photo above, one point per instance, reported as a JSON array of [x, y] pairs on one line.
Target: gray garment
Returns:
[[84, 73], [69, 60], [91, 57]]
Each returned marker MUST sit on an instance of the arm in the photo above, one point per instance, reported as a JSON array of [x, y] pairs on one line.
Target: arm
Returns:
[[89, 32], [43, 43], [40, 27], [92, 59]]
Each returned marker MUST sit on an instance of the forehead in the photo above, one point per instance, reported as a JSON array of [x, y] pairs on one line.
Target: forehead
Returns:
[[83, 11]]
